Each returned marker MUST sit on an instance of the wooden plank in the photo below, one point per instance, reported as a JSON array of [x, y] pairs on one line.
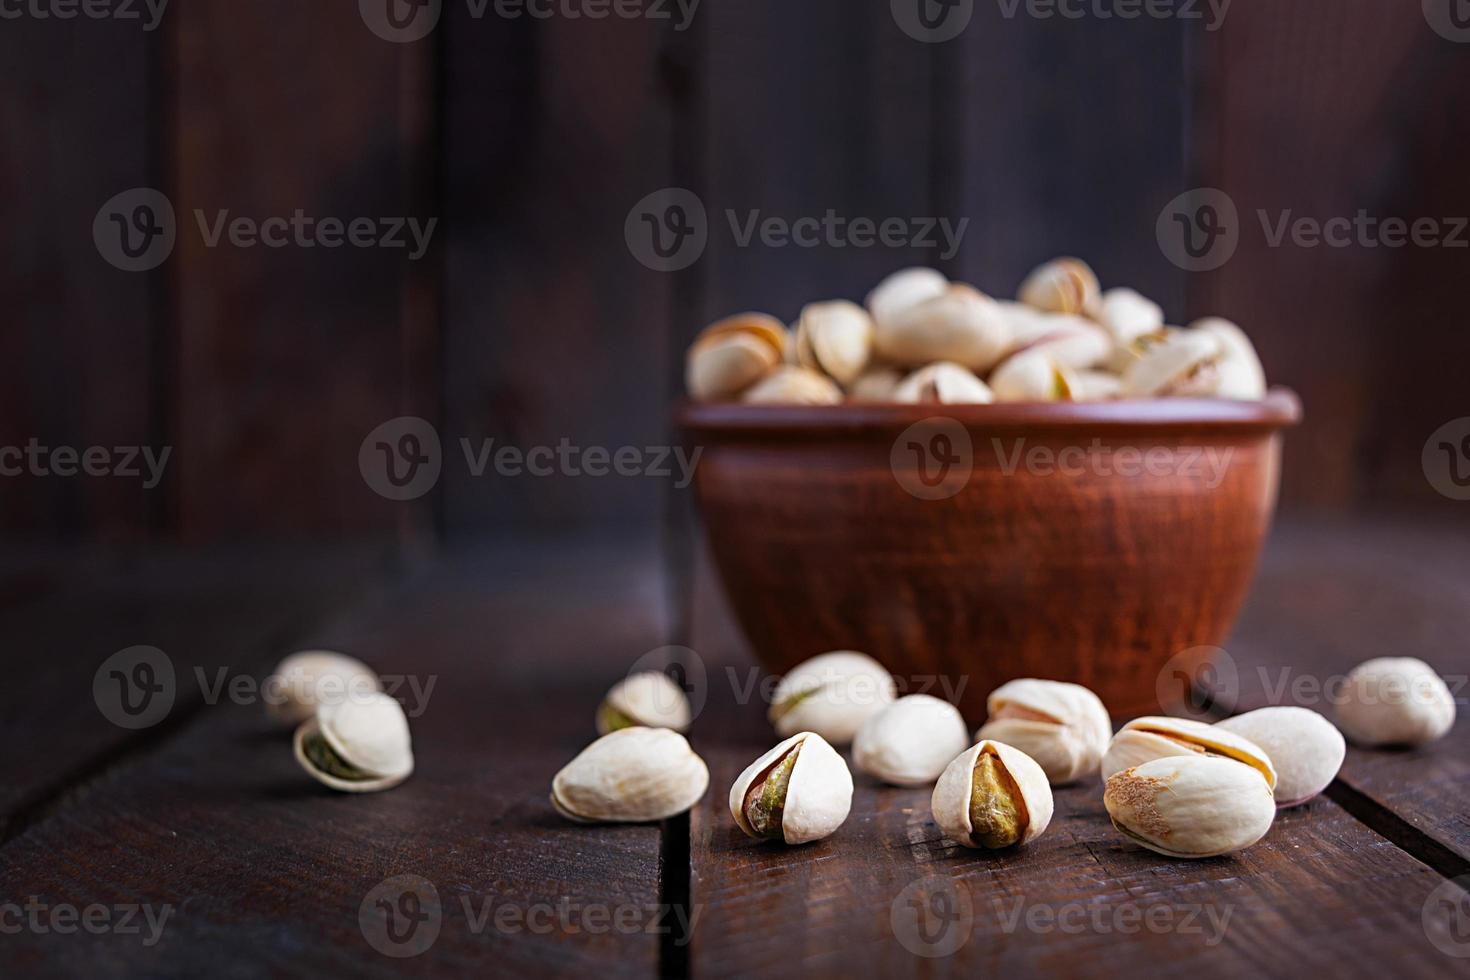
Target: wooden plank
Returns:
[[554, 129], [224, 614], [288, 357], [76, 330], [267, 872], [1332, 595], [1320, 893]]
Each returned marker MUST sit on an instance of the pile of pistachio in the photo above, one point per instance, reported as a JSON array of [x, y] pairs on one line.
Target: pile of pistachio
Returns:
[[1182, 788], [922, 338]]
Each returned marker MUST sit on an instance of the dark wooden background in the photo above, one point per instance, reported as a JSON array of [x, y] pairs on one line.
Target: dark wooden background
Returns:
[[529, 321]]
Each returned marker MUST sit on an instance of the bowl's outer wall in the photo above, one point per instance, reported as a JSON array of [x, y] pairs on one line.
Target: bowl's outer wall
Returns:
[[1086, 576]]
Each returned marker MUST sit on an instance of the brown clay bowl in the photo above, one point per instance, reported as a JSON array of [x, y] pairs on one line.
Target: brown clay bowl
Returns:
[[1094, 543]]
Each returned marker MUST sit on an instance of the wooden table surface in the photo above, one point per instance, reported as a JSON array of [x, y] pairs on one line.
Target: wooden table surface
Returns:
[[197, 847]]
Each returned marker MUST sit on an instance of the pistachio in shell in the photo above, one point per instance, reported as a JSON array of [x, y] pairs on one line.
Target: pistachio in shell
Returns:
[[1064, 285], [944, 383], [306, 680], [731, 355], [910, 742], [1064, 727], [961, 325], [799, 791], [361, 745], [831, 694], [789, 385], [648, 699], [992, 796], [1155, 737], [1191, 806], [1305, 749], [835, 338], [632, 775]]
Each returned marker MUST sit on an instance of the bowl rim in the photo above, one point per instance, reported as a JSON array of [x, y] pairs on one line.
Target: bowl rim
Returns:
[[1279, 409]]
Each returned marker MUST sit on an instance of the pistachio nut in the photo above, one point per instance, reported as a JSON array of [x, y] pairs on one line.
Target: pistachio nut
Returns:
[[1128, 315], [1395, 701], [1191, 806], [1063, 285], [831, 694], [991, 796], [904, 289], [733, 354], [1124, 356], [910, 742], [1071, 340], [835, 338], [1034, 376], [961, 325], [361, 745], [633, 775], [306, 680], [1145, 739], [875, 385], [1064, 727], [647, 699], [943, 383], [1183, 364], [799, 791], [1097, 386], [1305, 749], [789, 385], [1239, 367]]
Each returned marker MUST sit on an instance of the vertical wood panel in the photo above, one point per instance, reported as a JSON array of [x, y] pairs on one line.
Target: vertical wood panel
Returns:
[[555, 129], [75, 330], [289, 357]]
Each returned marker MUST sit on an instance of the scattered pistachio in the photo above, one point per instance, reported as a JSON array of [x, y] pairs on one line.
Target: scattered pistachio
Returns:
[[648, 699], [910, 742], [1145, 739], [1305, 749], [992, 796], [1064, 727], [799, 791], [632, 775], [304, 681], [832, 695], [360, 745], [1395, 701], [1191, 806]]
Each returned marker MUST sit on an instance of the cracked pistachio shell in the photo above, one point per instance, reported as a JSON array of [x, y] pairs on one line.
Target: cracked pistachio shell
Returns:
[[961, 325], [1240, 373], [1193, 806], [1013, 791], [1124, 356], [794, 386], [1098, 386], [1064, 727], [1034, 376], [1305, 749], [1063, 285], [875, 385], [904, 289], [1395, 701], [1070, 340], [1155, 737], [817, 796], [647, 699], [910, 742], [832, 695], [1181, 365], [306, 680], [733, 354], [633, 775], [357, 746], [1128, 315], [943, 383], [835, 338]]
